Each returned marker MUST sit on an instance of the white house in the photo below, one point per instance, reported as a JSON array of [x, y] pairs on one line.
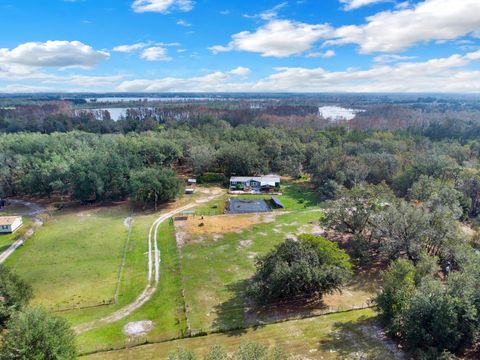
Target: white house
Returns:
[[10, 224], [255, 183]]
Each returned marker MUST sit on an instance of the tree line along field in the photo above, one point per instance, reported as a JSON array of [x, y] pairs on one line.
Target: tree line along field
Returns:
[[81, 275], [391, 196]]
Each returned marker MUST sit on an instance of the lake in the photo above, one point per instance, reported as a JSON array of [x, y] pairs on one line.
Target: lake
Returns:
[[337, 113]]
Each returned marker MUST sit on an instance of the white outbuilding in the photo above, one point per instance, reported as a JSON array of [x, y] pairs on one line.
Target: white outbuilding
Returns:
[[10, 224]]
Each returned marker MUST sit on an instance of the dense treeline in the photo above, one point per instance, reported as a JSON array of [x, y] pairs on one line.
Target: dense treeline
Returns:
[[100, 167]]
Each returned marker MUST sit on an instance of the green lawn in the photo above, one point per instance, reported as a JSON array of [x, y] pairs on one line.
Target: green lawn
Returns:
[[295, 196], [74, 259], [346, 335], [214, 270], [134, 274], [166, 308]]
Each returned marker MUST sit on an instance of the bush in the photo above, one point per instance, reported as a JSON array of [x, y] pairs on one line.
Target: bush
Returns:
[[37, 334], [211, 178], [308, 267], [14, 294]]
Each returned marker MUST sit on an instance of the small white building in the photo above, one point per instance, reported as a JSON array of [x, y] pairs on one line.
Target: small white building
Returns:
[[10, 224]]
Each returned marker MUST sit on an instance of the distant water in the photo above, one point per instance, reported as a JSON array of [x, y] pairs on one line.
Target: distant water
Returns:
[[337, 113], [115, 113]]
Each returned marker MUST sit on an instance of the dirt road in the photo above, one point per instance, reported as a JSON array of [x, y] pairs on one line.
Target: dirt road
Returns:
[[154, 260]]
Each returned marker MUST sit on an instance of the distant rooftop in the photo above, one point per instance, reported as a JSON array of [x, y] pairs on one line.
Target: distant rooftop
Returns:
[[266, 178], [8, 220]]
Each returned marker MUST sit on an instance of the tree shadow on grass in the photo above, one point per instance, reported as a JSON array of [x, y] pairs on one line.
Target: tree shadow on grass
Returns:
[[231, 314], [4, 248], [360, 339], [241, 312]]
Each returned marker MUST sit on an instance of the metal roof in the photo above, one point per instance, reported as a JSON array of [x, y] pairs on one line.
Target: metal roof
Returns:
[[260, 179], [278, 202]]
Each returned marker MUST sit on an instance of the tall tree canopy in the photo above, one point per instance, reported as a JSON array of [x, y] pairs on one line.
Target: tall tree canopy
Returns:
[[310, 266]]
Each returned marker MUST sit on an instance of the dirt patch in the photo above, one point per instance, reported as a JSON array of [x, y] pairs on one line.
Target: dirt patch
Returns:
[[217, 237], [245, 243], [138, 328], [180, 232], [128, 222], [375, 331], [291, 237], [213, 227], [468, 231], [313, 228]]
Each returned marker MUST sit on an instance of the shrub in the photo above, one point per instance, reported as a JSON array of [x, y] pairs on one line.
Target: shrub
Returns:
[[308, 267]]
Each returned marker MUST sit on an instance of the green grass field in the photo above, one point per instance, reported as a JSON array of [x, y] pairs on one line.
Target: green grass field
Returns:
[[348, 335], [74, 265], [166, 308], [295, 196], [215, 271], [74, 259]]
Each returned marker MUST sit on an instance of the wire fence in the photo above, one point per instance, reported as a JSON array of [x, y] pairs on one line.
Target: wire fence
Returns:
[[134, 342]]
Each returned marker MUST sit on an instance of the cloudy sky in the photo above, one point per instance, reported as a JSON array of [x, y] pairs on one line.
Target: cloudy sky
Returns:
[[232, 45]]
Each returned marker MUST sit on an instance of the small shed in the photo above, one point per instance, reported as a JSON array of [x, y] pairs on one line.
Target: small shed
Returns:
[[10, 224]]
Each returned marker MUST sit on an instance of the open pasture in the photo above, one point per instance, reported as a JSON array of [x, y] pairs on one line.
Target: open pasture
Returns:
[[216, 268], [73, 261], [348, 335]]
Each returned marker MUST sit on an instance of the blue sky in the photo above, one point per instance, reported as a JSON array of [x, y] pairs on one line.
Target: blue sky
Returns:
[[212, 45]]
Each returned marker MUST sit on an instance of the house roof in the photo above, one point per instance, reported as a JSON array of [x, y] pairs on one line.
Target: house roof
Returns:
[[270, 179], [8, 220]]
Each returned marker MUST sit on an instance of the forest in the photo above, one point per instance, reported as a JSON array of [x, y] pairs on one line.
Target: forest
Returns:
[[402, 196]]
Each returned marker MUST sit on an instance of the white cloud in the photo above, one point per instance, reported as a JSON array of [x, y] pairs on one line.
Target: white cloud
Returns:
[[60, 54], [162, 6], [435, 75], [268, 14], [182, 22], [325, 55], [129, 48], [20, 88], [389, 58], [211, 82], [355, 4], [278, 38], [241, 71], [429, 20], [155, 53]]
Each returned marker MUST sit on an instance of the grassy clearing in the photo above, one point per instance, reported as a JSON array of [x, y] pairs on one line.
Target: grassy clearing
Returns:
[[73, 260], [215, 271], [134, 276], [295, 196], [166, 308], [336, 336]]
